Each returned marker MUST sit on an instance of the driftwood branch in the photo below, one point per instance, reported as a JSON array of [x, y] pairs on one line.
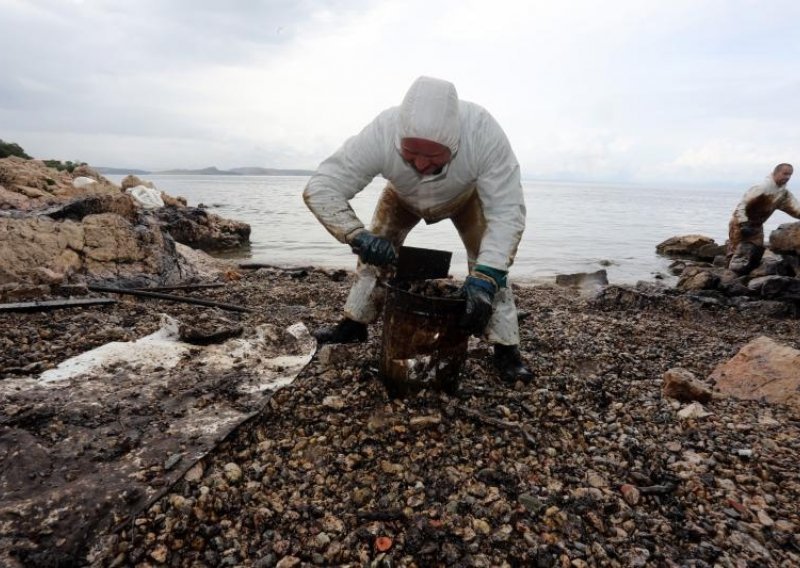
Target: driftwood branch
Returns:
[[504, 424], [182, 287], [171, 297], [47, 305]]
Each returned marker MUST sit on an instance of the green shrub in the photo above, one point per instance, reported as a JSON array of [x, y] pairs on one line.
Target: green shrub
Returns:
[[11, 149], [68, 166]]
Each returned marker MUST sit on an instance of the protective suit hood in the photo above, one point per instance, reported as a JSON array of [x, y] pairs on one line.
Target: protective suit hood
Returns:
[[430, 110]]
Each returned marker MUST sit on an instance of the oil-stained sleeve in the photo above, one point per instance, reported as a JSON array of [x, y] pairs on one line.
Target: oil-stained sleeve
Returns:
[[790, 205], [500, 192], [340, 177]]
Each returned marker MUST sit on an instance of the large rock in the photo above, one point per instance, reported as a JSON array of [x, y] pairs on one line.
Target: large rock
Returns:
[[786, 238], [696, 278], [101, 248], [197, 228], [57, 225], [690, 246], [776, 287], [583, 280], [762, 369]]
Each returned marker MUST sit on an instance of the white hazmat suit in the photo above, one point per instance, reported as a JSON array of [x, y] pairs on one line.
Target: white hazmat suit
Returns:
[[479, 190]]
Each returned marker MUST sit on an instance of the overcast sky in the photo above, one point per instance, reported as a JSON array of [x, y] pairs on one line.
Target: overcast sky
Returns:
[[674, 91]]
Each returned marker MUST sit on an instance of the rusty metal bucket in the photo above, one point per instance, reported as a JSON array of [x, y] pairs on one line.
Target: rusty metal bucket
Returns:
[[423, 344]]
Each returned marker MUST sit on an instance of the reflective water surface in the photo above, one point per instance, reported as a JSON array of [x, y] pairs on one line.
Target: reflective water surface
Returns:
[[571, 227]]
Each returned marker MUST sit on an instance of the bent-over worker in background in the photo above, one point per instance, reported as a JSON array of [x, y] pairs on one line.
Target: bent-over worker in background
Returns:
[[444, 159], [746, 228]]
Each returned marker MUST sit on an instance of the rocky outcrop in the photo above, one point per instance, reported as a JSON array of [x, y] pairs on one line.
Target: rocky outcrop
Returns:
[[100, 248], [762, 369], [59, 228], [773, 277], [27, 185]]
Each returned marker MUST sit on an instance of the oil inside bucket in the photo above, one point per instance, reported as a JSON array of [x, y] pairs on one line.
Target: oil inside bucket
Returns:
[[423, 344]]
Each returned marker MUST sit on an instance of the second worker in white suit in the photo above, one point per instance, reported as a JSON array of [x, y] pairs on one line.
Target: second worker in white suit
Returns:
[[444, 158]]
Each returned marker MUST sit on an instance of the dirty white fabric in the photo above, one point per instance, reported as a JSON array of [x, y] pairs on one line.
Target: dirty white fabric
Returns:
[[393, 222], [430, 111], [365, 301], [146, 197], [483, 159], [762, 200]]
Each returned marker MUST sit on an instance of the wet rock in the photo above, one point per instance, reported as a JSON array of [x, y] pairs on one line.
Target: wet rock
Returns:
[[775, 287], [786, 238], [682, 385], [197, 228], [205, 331], [685, 246], [583, 280], [94, 204], [695, 278]]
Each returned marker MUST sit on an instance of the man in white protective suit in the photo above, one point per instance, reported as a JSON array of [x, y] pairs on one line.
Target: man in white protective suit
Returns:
[[444, 159], [746, 227]]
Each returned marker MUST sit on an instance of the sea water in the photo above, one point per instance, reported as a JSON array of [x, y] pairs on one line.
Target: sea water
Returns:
[[571, 227]]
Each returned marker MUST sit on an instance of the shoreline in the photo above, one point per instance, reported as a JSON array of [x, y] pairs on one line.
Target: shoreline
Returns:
[[324, 468]]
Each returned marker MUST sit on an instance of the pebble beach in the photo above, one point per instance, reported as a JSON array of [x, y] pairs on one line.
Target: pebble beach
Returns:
[[589, 465]]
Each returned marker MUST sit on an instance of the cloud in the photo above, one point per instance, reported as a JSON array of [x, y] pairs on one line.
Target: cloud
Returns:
[[685, 90]]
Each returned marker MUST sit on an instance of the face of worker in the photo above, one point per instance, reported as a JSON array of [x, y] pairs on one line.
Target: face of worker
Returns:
[[782, 176], [425, 156]]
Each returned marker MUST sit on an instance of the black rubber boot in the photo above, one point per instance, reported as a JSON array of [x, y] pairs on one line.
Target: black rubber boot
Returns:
[[509, 364], [346, 331]]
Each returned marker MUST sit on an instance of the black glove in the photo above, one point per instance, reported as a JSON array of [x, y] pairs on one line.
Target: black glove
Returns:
[[479, 294], [372, 249], [747, 230]]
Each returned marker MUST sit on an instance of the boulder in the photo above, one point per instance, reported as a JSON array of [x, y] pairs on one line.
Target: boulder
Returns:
[[682, 385], [197, 228], [583, 280], [786, 238], [695, 278], [762, 369], [689, 246], [102, 248], [776, 287], [771, 265], [710, 252]]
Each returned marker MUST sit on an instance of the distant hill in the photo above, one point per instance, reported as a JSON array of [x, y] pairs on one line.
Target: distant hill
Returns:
[[211, 171], [253, 171], [121, 171]]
